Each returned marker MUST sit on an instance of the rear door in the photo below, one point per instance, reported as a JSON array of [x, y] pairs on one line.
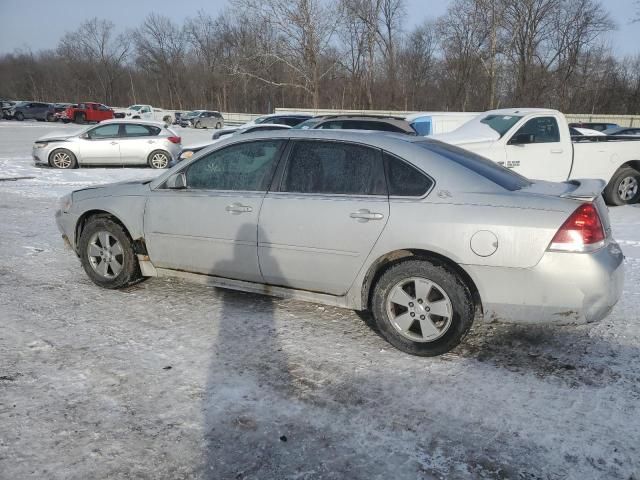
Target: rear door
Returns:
[[101, 145], [548, 157], [326, 214], [137, 142]]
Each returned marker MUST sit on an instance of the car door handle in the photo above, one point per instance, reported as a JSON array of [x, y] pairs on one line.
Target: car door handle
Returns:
[[238, 208], [364, 215], [556, 150]]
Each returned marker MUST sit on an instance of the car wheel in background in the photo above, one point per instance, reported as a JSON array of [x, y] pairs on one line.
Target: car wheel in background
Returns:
[[63, 159], [50, 117], [624, 187], [422, 308], [158, 159], [107, 254], [80, 118], [197, 125], [66, 120], [218, 125], [19, 116]]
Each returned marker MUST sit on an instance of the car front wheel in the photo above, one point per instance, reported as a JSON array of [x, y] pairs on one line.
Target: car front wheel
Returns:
[[63, 159], [422, 308], [107, 254]]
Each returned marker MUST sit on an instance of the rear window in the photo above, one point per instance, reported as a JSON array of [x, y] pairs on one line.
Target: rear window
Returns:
[[500, 123], [491, 171]]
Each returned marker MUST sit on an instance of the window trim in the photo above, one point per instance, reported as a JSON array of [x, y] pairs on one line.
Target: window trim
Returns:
[[277, 160], [278, 183], [415, 167]]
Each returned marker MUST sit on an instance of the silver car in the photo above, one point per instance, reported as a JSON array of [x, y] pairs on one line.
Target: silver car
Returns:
[[112, 142], [425, 235], [202, 119]]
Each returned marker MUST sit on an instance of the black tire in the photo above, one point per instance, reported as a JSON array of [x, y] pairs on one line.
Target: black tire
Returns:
[[130, 272], [50, 117], [66, 120], [459, 295], [167, 119], [218, 126], [614, 190], [59, 162], [19, 116], [197, 125], [150, 159], [80, 118]]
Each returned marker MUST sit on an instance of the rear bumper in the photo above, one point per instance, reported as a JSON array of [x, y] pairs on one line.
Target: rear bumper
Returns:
[[562, 288]]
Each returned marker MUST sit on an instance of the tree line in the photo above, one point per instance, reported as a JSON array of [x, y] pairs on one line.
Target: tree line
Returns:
[[346, 54]]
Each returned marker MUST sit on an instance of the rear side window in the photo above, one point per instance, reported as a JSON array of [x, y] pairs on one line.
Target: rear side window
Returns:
[[502, 176], [132, 130], [544, 130], [241, 167], [404, 180], [334, 168]]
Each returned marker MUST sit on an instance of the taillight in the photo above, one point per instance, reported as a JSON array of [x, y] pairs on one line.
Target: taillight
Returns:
[[175, 139], [581, 232]]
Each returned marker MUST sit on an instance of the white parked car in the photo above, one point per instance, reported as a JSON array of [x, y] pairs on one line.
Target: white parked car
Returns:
[[537, 143], [113, 142]]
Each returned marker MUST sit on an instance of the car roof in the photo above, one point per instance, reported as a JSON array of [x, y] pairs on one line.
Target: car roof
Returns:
[[135, 122], [398, 122], [520, 111]]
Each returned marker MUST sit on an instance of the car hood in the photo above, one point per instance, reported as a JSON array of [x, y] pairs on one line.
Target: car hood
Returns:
[[56, 137], [130, 188]]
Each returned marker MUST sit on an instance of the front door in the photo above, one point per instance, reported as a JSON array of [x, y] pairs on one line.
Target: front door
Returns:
[[544, 155], [320, 225], [211, 226], [101, 145]]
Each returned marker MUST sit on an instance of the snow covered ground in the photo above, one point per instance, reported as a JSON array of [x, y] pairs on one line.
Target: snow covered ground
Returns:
[[170, 380]]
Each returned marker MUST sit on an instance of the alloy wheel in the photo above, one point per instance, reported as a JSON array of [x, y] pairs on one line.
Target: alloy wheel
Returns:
[[628, 188], [419, 309], [62, 160], [159, 160], [105, 254]]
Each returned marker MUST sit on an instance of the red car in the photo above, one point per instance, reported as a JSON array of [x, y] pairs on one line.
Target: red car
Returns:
[[87, 112]]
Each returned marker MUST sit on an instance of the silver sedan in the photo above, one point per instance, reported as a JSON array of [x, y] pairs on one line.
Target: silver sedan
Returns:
[[426, 236], [112, 142]]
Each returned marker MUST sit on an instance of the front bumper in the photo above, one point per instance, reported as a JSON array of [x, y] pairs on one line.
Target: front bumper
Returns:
[[66, 223], [40, 155], [562, 288]]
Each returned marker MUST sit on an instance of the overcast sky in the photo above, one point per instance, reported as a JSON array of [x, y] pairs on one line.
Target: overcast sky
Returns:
[[39, 24]]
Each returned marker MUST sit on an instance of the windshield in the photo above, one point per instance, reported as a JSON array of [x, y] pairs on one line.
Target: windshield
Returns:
[[191, 114], [500, 123], [135, 107], [482, 166], [260, 119], [312, 122]]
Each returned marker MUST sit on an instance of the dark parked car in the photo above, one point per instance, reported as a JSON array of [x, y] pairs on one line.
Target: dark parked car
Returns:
[[626, 131], [600, 126], [359, 122], [291, 119], [34, 110], [6, 106]]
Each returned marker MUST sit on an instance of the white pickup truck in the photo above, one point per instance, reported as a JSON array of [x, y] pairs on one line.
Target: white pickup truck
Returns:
[[147, 112], [537, 144]]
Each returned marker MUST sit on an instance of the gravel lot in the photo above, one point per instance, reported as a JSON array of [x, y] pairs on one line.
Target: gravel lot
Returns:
[[171, 380]]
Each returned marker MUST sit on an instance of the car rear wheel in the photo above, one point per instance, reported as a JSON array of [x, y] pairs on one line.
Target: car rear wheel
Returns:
[[624, 187], [19, 116], [50, 117], [218, 126], [107, 254], [158, 159], [422, 308], [80, 118], [63, 159], [198, 125]]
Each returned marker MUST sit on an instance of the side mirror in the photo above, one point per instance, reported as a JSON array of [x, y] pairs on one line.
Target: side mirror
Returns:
[[177, 181], [523, 139]]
